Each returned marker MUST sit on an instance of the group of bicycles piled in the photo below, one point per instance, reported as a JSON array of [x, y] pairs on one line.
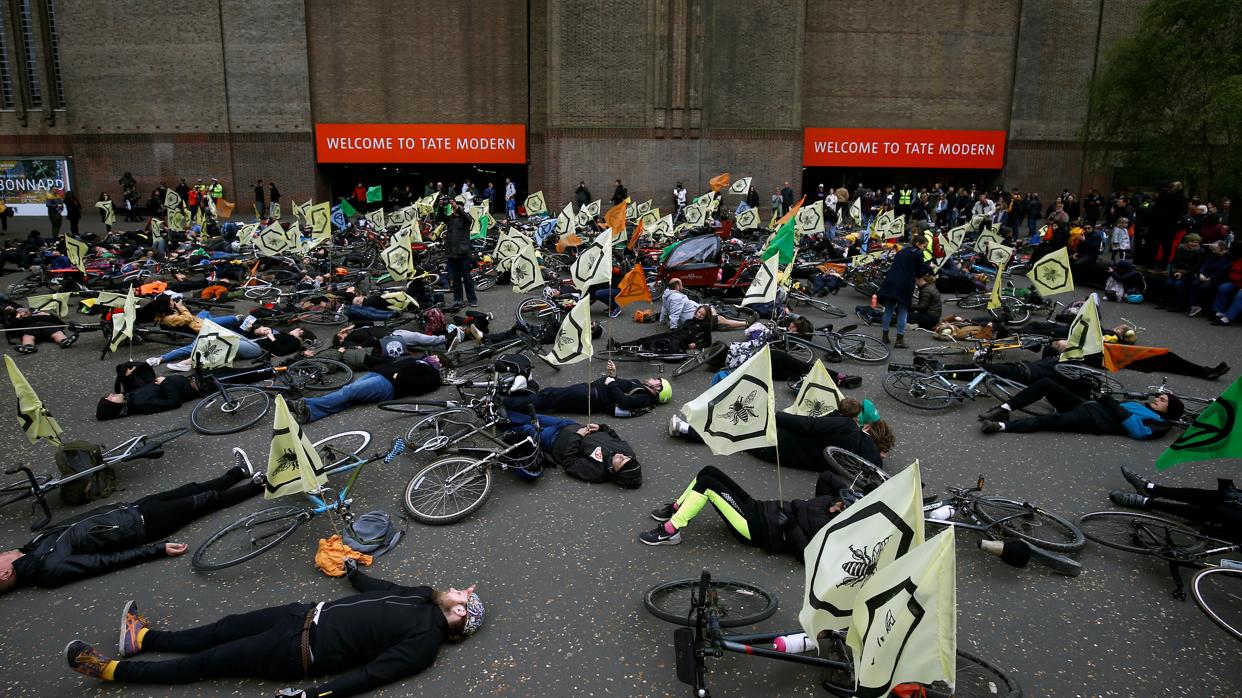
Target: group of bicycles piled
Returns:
[[409, 333]]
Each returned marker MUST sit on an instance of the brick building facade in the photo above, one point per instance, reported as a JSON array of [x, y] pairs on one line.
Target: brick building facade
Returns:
[[648, 91]]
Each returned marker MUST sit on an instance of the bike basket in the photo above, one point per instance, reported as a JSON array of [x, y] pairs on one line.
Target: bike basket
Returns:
[[527, 460]]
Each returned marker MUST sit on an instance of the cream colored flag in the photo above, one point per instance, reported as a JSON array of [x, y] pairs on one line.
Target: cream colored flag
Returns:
[[535, 204], [76, 251], [818, 394], [376, 217], [1085, 336], [994, 300], [748, 219], [811, 218], [525, 274], [1052, 274], [594, 263], [739, 412], [765, 284], [293, 464], [573, 342], [741, 187]]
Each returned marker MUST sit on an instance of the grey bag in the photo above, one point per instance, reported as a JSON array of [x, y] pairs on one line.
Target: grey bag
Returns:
[[373, 533]]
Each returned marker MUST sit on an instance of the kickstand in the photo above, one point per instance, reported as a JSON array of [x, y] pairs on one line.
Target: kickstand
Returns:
[[1179, 589]]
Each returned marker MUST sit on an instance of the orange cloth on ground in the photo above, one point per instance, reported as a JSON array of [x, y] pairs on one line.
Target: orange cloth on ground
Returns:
[[333, 552], [1118, 356]]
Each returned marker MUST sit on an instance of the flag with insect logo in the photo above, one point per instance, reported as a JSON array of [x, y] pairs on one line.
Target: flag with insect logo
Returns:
[[739, 412], [525, 274], [32, 416], [76, 251], [1052, 274], [123, 322], [573, 341], [594, 264], [293, 464], [399, 258], [818, 395], [741, 187], [763, 287], [535, 204], [215, 346]]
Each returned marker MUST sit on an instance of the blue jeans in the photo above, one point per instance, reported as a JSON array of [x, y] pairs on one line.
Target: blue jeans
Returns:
[[607, 295], [246, 349], [459, 279], [901, 317], [366, 312], [511, 209], [1229, 301], [370, 388], [549, 428], [227, 321]]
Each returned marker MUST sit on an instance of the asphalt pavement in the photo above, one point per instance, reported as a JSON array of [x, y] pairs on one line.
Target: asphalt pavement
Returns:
[[561, 573]]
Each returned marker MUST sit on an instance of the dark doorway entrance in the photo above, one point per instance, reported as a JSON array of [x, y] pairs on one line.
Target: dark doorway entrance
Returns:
[[878, 178], [343, 178]]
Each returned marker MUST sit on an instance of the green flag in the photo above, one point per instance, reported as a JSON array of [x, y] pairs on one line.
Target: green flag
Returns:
[[783, 241], [375, 194], [1213, 434], [348, 210]]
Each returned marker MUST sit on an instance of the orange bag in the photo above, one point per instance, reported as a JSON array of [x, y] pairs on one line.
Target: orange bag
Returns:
[[152, 288]]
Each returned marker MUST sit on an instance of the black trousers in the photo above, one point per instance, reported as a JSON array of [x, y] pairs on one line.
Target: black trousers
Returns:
[[165, 513], [1073, 412], [1207, 506], [262, 644]]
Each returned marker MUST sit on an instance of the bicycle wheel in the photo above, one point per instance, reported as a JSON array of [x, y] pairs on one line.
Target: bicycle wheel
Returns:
[[261, 293], [17, 490], [1218, 593], [1100, 381], [797, 348], [318, 374], [919, 390], [864, 348], [1013, 311], [862, 473], [484, 281], [974, 301], [1030, 523], [1004, 389], [244, 407], [250, 536], [448, 490], [342, 448], [944, 350], [532, 312], [825, 307], [441, 430], [1139, 533], [976, 678], [737, 312], [738, 603], [696, 359], [322, 317]]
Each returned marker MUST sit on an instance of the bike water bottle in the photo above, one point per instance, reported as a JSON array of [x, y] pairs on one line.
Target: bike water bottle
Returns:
[[796, 643], [875, 301], [943, 512]]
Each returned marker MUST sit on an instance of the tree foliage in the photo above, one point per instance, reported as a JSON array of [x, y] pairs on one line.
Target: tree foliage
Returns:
[[1167, 102]]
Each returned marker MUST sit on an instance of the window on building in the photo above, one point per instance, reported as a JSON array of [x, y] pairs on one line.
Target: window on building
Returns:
[[6, 73], [54, 44], [30, 55]]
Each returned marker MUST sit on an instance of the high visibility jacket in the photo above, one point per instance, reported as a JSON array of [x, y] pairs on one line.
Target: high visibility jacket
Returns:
[[905, 197]]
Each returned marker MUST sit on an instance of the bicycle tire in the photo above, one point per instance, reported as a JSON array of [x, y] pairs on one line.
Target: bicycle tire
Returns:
[[1013, 312], [911, 388], [338, 449], [976, 678], [829, 309], [261, 293], [438, 494], [1103, 382], [697, 359], [1134, 532], [270, 526], [483, 282], [1036, 526], [974, 301], [245, 407], [1003, 390], [440, 430], [1217, 592], [322, 317], [738, 312], [414, 407], [855, 468], [739, 603], [318, 375], [864, 348], [798, 348], [17, 490], [531, 313]]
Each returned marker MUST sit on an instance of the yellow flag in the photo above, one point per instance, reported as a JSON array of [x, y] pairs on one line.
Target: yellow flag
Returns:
[[276, 210], [739, 412], [376, 217], [994, 301], [109, 213], [594, 264], [275, 240], [856, 211], [1085, 336], [904, 625], [76, 251], [319, 217], [293, 464], [399, 258], [811, 219], [33, 417], [398, 300], [1052, 274], [54, 303], [764, 286], [748, 219], [123, 322], [525, 275], [215, 346], [565, 221], [535, 204], [573, 342], [818, 394]]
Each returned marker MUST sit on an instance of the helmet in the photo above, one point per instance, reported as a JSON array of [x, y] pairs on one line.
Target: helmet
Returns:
[[666, 391], [1134, 298]]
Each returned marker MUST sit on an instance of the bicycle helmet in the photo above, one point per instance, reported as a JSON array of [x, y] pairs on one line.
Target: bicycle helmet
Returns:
[[666, 391], [1134, 298], [526, 461]]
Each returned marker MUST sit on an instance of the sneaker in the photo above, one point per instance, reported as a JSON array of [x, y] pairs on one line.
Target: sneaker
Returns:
[[615, 312], [664, 513], [1136, 481], [659, 536], [1194, 310], [677, 426], [242, 460], [850, 382], [86, 660], [996, 414], [182, 366], [1219, 321], [153, 361], [991, 427], [132, 626], [1128, 499]]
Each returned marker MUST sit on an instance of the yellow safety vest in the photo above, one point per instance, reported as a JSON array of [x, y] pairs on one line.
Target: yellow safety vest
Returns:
[[906, 196]]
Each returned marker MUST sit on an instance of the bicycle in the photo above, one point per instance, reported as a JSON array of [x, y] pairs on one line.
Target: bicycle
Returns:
[[926, 386], [1194, 406], [233, 408], [699, 603], [139, 447], [451, 423], [455, 487], [797, 298], [843, 342], [258, 532], [523, 343]]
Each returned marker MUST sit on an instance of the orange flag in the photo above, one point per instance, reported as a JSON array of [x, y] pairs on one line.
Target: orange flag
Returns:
[[1118, 356], [615, 218], [224, 209], [633, 287], [569, 239], [790, 213], [719, 182], [638, 231]]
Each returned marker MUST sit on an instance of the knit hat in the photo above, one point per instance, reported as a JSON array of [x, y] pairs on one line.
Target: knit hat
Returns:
[[474, 615], [107, 409], [1176, 408]]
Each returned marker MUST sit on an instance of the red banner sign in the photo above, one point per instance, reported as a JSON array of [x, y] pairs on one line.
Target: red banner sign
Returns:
[[885, 147], [421, 143]]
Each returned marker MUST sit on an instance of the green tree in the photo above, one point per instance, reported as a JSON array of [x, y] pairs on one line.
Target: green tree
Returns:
[[1166, 102]]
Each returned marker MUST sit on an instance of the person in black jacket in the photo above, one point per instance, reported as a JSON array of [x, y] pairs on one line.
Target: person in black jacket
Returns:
[[389, 381], [457, 248], [382, 634], [619, 194], [589, 452], [777, 526], [114, 536], [620, 397], [897, 290]]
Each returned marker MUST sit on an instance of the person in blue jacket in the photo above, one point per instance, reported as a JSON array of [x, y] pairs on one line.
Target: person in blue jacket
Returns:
[[897, 290], [1150, 419]]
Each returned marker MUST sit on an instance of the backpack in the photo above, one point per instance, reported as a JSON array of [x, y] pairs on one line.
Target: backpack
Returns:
[[75, 457], [392, 346], [433, 321]]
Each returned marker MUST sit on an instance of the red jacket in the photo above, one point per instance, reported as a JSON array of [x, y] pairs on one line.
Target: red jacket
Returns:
[[1235, 273]]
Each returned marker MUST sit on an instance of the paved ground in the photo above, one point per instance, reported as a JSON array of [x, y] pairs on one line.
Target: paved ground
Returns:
[[562, 575]]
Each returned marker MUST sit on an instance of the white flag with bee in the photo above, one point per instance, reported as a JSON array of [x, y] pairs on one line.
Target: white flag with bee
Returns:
[[739, 412], [293, 464], [877, 529], [818, 395]]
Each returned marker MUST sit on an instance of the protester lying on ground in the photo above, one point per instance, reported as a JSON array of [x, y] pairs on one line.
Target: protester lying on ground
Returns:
[[590, 452], [676, 307], [1147, 360], [172, 314], [695, 333], [397, 379], [609, 395], [1219, 509], [262, 340], [784, 365], [114, 536], [1104, 415], [776, 526], [31, 326], [382, 634], [801, 440]]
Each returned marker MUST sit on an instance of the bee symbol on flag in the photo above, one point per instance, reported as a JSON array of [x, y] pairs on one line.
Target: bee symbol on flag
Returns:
[[742, 409], [863, 565]]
